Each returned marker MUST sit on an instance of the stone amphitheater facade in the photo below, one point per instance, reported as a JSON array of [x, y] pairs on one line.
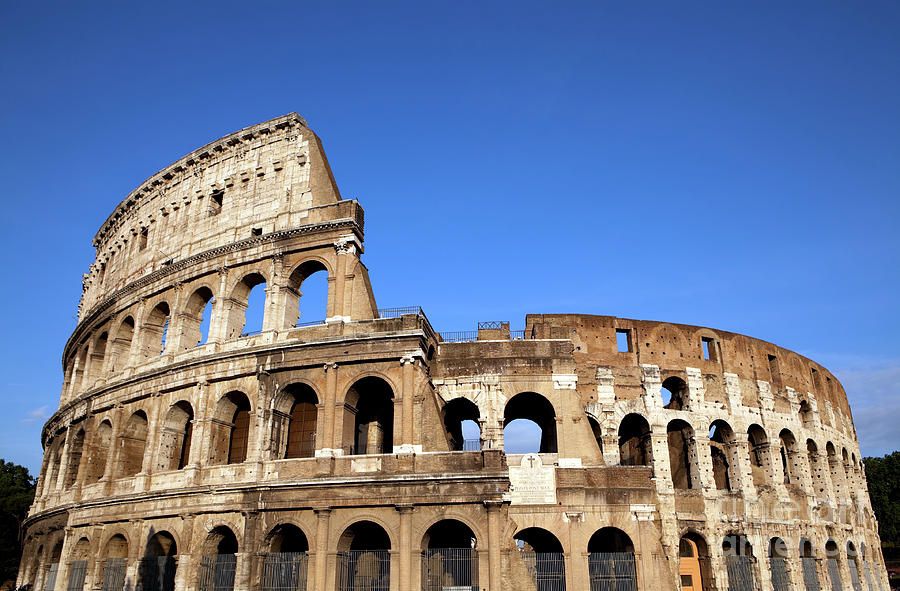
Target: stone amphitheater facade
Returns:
[[188, 454]]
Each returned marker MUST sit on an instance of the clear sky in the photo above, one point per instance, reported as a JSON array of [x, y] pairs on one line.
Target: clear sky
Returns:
[[732, 165]]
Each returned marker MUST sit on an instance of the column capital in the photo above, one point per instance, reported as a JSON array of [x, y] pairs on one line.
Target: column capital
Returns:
[[403, 508]]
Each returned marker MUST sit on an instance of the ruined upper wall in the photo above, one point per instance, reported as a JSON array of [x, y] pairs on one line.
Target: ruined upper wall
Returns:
[[261, 179]]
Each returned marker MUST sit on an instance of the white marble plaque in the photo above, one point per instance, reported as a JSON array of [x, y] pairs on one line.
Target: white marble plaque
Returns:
[[532, 483]]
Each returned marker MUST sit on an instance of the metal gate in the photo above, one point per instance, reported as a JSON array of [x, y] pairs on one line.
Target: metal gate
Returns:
[[157, 573], [548, 569], [217, 572], [868, 576], [740, 573], [114, 574], [612, 571], [77, 570], [50, 582], [285, 571], [455, 568], [834, 573], [810, 575], [854, 575], [365, 570], [780, 581]]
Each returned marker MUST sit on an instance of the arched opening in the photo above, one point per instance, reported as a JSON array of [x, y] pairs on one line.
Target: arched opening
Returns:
[[155, 331], [682, 455], [597, 433], [789, 459], [176, 436], [722, 451], [739, 562], [759, 454], [832, 559], [634, 441], [611, 560], [196, 318], [674, 393], [116, 563], [156, 571], [529, 424], [778, 565], [51, 476], [76, 448], [79, 557], [297, 406], [853, 566], [449, 558], [693, 562], [848, 473], [219, 560], [248, 305], [121, 345], [285, 565], [132, 445], [543, 557], [309, 306], [461, 417], [369, 417], [101, 447], [806, 415], [364, 558], [808, 565], [230, 429], [816, 469]]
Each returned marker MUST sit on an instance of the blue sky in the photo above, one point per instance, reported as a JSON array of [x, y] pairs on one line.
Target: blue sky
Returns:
[[722, 164]]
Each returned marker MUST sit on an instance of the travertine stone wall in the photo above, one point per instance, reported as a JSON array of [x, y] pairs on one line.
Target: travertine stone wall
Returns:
[[342, 440]]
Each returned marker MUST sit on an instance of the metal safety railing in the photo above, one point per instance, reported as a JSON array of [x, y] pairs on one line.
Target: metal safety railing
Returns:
[[398, 312], [492, 324], [450, 568], [834, 574], [311, 323], [157, 573], [50, 581], [810, 574], [517, 335], [471, 445], [114, 574], [547, 569], [740, 573], [778, 568], [612, 571], [77, 570], [364, 570], [459, 336], [217, 572], [285, 571]]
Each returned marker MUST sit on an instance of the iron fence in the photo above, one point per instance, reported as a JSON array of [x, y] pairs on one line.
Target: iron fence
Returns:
[[612, 571], [114, 574], [250, 333], [868, 576], [854, 575], [517, 335], [778, 567], [450, 568], [460, 336], [311, 323], [157, 573], [50, 581], [810, 575], [77, 570], [217, 572], [834, 573], [398, 312], [740, 573], [285, 571], [492, 324], [548, 570], [471, 445], [364, 570]]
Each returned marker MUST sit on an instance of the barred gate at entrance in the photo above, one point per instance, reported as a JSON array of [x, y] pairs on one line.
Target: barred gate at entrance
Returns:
[[364, 558], [285, 566], [611, 565], [219, 562], [739, 563], [544, 558], [449, 557], [156, 571]]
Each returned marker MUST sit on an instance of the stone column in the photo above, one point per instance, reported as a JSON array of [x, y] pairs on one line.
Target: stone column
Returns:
[[340, 272], [494, 542], [113, 455], [219, 316], [407, 396], [323, 516], [326, 439], [185, 554], [405, 554], [152, 443], [64, 460]]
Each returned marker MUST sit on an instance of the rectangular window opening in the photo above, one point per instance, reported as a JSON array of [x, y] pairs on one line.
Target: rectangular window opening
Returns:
[[623, 340], [256, 231], [774, 372], [142, 239], [215, 201], [709, 348], [817, 386]]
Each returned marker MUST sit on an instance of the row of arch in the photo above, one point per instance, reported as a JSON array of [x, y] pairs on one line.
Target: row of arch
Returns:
[[165, 327]]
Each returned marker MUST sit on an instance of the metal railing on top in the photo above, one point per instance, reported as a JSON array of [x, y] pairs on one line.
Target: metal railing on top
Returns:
[[311, 323], [251, 333], [471, 445], [460, 336], [488, 324], [398, 312]]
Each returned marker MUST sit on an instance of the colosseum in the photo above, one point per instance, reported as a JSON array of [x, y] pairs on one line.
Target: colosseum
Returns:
[[364, 451]]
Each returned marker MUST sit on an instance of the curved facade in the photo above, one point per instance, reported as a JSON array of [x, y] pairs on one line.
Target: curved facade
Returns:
[[193, 450]]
